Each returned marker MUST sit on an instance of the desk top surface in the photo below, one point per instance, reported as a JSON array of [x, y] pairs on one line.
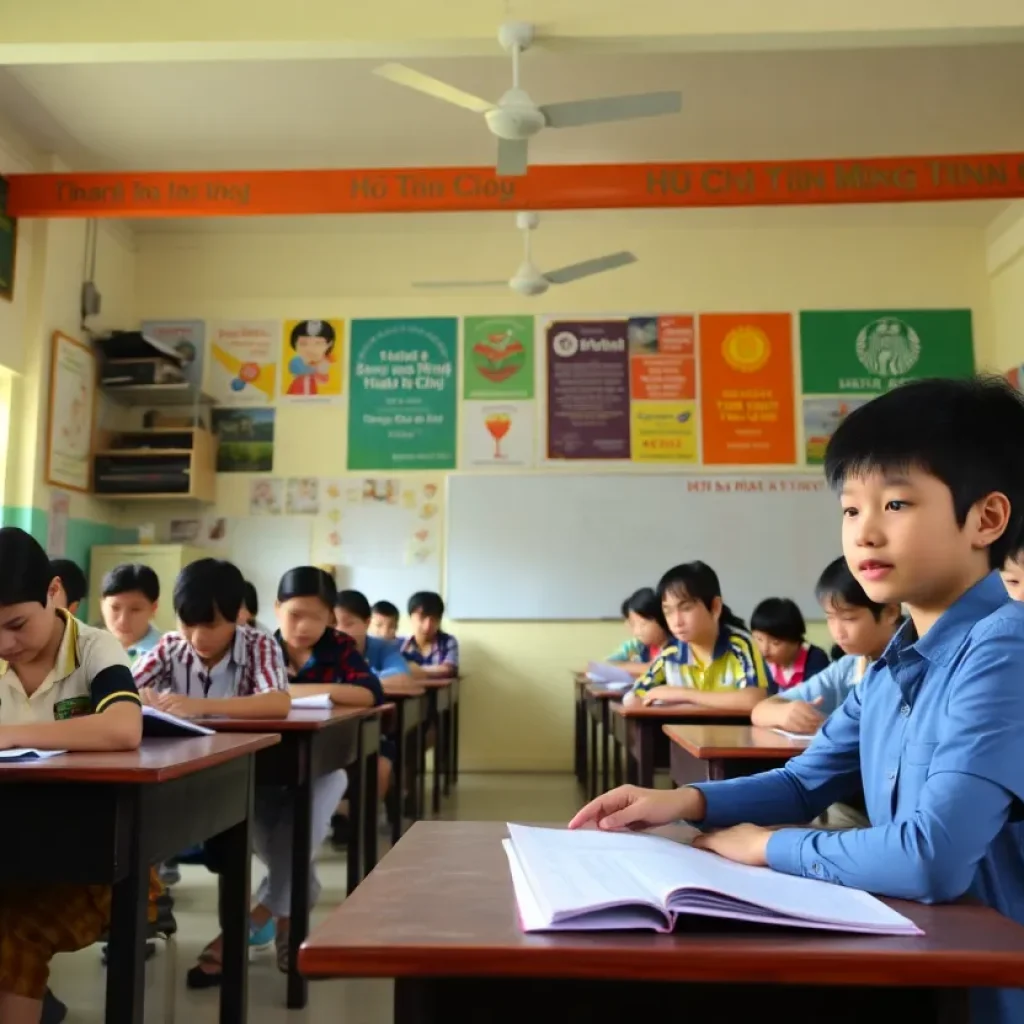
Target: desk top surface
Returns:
[[732, 741], [298, 720], [678, 712], [442, 898], [156, 760]]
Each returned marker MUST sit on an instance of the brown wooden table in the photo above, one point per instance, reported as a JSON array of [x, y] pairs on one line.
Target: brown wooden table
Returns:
[[438, 915], [410, 729], [638, 736], [579, 744], [441, 699], [599, 698], [315, 742], [107, 818], [702, 753]]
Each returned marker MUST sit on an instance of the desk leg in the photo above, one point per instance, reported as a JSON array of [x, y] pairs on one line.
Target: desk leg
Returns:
[[593, 751], [371, 762], [645, 752], [399, 772], [605, 752], [456, 702], [439, 746], [126, 971], [580, 741], [302, 815], [234, 893], [357, 811], [617, 766], [421, 762]]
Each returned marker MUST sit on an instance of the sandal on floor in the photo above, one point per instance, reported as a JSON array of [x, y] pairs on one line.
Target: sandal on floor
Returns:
[[281, 944], [197, 977]]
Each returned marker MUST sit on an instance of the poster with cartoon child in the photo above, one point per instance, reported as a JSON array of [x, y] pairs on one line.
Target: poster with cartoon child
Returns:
[[312, 357]]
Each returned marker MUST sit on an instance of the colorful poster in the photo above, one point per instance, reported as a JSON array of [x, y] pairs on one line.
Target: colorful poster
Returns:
[[588, 389], [246, 440], [266, 497], [187, 338], [303, 496], [870, 351], [243, 361], [72, 408], [402, 408], [821, 418], [498, 357], [664, 431], [662, 359], [312, 353], [746, 382], [498, 434]]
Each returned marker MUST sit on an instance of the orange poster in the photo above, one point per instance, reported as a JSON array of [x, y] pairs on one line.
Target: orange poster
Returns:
[[661, 359], [746, 383]]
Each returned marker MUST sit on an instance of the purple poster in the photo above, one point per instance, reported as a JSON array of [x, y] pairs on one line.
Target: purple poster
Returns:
[[588, 390]]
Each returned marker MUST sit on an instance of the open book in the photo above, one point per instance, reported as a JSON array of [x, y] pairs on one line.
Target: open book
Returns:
[[157, 723], [605, 881], [28, 754], [610, 675]]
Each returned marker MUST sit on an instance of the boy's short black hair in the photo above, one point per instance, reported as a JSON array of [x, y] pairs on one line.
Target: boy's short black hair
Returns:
[[250, 600], [127, 579], [71, 577], [207, 587], [355, 603], [837, 582], [966, 433], [780, 618], [699, 582], [385, 608], [426, 602], [27, 574], [307, 581]]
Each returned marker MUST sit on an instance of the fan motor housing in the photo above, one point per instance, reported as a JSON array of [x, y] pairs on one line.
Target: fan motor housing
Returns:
[[515, 117]]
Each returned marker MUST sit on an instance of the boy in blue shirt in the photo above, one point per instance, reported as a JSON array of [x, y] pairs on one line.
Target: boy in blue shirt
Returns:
[[931, 482]]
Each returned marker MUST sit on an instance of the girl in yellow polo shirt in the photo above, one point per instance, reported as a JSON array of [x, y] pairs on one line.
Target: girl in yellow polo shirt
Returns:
[[710, 659]]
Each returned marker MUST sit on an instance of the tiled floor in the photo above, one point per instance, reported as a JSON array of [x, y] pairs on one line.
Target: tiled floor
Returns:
[[79, 979]]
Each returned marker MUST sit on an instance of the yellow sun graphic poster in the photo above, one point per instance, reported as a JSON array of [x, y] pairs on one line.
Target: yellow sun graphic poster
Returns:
[[747, 403]]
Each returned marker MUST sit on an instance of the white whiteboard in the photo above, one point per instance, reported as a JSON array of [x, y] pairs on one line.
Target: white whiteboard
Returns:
[[569, 546]]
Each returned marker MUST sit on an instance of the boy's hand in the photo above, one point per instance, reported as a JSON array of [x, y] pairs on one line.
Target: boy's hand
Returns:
[[177, 705], [666, 694], [630, 807], [801, 717], [744, 844]]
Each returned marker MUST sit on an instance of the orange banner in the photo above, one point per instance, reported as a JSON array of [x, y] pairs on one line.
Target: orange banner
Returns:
[[746, 388], [562, 187]]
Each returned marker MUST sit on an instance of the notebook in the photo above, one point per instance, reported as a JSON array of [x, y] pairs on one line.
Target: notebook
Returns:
[[157, 724], [28, 754], [610, 675], [321, 700], [798, 737], [608, 881]]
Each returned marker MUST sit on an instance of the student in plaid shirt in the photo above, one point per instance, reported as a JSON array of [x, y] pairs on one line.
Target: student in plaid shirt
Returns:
[[431, 652]]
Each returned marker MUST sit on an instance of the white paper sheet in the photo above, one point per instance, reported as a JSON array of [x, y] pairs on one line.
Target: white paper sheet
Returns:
[[321, 700], [28, 754]]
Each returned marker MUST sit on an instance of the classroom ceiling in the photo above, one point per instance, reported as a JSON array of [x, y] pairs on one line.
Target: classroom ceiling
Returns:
[[335, 113]]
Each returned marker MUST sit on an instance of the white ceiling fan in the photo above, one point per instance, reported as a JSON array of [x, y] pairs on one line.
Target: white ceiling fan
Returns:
[[528, 280], [515, 117]]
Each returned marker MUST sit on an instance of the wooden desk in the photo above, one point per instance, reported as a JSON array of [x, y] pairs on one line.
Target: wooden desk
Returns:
[[438, 716], [105, 819], [702, 753], [410, 727], [598, 699], [579, 739], [638, 735], [439, 916], [313, 743]]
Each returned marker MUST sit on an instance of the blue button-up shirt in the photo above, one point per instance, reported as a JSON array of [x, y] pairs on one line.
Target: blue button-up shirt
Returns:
[[935, 731]]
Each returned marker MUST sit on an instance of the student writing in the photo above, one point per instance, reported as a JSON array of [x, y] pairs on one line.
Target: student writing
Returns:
[[710, 661], [646, 621], [63, 686], [931, 482], [778, 629]]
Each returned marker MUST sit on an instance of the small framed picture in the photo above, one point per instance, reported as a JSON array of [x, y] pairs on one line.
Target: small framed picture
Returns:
[[71, 414]]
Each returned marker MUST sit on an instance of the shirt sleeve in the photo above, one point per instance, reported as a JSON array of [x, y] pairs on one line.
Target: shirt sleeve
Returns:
[[451, 654], [351, 668], [109, 673], [755, 672], [266, 667], [974, 774], [831, 685], [628, 650], [655, 675], [153, 669], [392, 662]]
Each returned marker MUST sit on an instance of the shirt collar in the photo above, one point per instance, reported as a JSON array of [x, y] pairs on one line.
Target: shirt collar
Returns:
[[944, 639]]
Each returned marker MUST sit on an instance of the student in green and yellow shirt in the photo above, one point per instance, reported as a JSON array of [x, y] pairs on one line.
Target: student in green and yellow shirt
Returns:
[[711, 660]]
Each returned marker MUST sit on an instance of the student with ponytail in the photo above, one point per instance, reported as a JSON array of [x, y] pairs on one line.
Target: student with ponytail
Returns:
[[710, 659]]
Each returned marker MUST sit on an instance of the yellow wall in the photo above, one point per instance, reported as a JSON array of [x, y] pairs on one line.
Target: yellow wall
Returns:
[[1006, 264], [517, 705]]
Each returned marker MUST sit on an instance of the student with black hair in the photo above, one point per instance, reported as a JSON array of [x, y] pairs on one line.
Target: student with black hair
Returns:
[[711, 660], [861, 627], [384, 620], [1012, 571], [930, 478], [642, 613], [130, 597], [73, 586], [63, 686], [779, 631], [430, 651]]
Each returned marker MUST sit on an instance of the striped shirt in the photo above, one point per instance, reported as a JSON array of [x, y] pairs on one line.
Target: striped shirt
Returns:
[[253, 664], [735, 664], [443, 651]]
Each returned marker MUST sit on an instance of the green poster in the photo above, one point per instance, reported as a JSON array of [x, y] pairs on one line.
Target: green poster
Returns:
[[868, 351], [499, 357], [401, 413]]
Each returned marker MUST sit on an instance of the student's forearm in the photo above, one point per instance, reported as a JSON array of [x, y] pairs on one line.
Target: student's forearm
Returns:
[[343, 694], [727, 700], [400, 682], [117, 728], [272, 704], [445, 671], [769, 713]]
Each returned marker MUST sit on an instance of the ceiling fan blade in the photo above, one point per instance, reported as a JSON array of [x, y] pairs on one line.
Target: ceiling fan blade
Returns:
[[513, 155], [402, 75], [612, 108], [575, 271], [460, 284]]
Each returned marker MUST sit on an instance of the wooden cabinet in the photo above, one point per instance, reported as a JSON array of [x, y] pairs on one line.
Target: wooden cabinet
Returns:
[[166, 560]]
